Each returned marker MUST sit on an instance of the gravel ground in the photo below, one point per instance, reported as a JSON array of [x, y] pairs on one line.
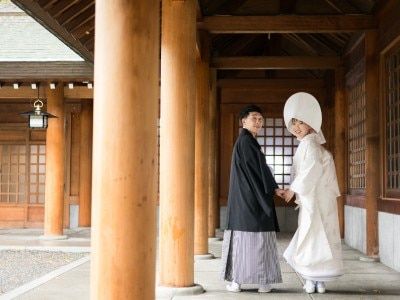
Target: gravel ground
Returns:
[[18, 267]]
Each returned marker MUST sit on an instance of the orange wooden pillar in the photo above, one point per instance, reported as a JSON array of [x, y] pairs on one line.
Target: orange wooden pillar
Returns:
[[85, 166], [372, 159], [124, 185], [340, 143], [54, 188], [213, 205], [201, 186], [178, 97]]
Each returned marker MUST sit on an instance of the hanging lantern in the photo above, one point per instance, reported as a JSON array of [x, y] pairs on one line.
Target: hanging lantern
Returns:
[[38, 118]]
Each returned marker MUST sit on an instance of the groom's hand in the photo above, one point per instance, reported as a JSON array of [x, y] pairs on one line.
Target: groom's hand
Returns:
[[280, 193], [288, 195]]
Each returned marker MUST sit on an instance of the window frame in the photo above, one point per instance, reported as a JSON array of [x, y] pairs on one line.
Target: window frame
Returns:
[[388, 193]]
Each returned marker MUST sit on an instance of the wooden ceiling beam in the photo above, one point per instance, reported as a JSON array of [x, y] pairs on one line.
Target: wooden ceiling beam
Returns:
[[276, 62], [277, 84], [287, 23], [46, 70], [33, 9]]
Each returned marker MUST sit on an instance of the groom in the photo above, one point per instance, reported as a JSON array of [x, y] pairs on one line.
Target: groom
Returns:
[[249, 252]]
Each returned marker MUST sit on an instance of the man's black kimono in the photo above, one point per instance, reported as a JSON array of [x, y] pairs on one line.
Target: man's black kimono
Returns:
[[251, 188]]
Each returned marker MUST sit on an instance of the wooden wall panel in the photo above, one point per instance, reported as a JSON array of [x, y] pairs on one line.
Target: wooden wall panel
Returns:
[[10, 112], [35, 214], [38, 135], [74, 148], [12, 213], [8, 135]]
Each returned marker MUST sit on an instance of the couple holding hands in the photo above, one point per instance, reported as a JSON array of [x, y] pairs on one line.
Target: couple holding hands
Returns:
[[249, 253]]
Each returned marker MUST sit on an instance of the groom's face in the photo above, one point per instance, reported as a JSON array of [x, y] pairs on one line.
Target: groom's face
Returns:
[[253, 122]]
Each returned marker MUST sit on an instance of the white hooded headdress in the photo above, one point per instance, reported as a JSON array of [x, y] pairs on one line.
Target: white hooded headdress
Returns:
[[304, 107]]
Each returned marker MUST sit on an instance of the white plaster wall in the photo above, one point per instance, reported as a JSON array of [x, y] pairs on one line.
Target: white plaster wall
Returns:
[[389, 239], [73, 216], [355, 227]]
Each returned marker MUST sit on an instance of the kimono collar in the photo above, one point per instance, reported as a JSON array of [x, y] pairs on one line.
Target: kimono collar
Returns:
[[318, 137], [254, 139], [247, 132]]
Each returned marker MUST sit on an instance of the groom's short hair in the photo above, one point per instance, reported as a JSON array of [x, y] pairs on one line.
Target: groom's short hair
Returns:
[[248, 109]]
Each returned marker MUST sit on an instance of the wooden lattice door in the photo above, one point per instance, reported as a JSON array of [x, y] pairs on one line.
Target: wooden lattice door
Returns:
[[22, 180]]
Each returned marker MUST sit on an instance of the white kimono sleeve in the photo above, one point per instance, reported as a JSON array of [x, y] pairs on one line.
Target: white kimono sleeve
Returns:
[[309, 171]]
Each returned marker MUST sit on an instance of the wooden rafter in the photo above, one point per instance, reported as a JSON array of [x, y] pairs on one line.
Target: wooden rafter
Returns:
[[300, 42], [241, 44], [334, 6], [326, 39], [89, 42], [83, 29], [60, 7], [276, 62], [39, 14], [339, 40], [46, 3], [87, 37], [353, 42], [78, 20], [76, 11], [287, 23], [238, 44], [313, 40]]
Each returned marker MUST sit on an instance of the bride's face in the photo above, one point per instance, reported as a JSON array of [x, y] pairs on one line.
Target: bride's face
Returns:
[[300, 129]]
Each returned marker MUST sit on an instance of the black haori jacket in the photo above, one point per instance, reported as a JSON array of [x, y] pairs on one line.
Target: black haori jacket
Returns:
[[251, 189]]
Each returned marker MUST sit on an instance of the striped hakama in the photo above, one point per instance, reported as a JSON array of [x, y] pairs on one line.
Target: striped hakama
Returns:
[[250, 257]]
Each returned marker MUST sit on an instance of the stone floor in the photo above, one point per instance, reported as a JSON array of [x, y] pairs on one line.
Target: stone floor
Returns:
[[362, 280]]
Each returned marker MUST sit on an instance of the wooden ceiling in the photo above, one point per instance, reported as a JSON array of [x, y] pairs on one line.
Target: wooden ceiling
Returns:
[[238, 28], [255, 28]]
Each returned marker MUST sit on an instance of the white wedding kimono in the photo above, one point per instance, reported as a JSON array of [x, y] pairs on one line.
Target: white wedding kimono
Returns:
[[315, 250]]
